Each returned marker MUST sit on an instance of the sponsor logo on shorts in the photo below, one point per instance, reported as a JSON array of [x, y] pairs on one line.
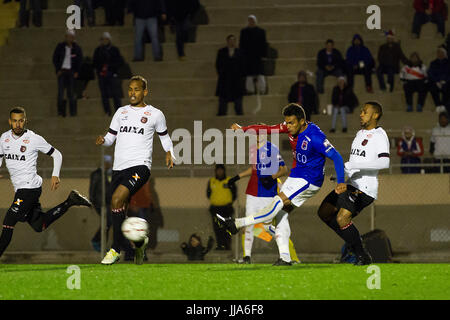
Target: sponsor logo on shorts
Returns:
[[18, 202], [136, 176]]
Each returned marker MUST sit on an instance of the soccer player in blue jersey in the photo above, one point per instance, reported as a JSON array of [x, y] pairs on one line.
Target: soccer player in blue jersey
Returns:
[[310, 149], [267, 167]]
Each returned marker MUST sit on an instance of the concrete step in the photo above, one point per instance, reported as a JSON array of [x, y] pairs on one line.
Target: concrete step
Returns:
[[264, 14]]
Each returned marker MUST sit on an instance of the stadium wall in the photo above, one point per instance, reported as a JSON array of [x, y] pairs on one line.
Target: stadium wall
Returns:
[[415, 218]]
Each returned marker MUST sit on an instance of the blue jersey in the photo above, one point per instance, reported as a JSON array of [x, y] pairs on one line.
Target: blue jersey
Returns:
[[309, 155], [266, 162]]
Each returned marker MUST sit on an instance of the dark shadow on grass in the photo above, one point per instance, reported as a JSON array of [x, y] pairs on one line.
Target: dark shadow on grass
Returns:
[[269, 267], [45, 269]]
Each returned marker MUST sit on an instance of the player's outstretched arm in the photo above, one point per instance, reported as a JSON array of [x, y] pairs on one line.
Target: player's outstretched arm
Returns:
[[243, 174], [57, 163], [262, 128]]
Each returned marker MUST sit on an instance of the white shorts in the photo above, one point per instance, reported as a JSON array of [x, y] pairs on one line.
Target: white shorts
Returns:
[[255, 204], [298, 190]]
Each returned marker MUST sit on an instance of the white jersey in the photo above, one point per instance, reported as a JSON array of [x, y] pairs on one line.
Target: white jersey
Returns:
[[367, 147], [134, 128], [20, 155]]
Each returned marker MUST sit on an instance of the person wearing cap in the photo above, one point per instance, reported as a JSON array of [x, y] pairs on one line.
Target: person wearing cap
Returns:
[[329, 63], [359, 60], [389, 56], [67, 59], [429, 11], [107, 61], [304, 94], [438, 80], [221, 196], [253, 46], [95, 196], [409, 149], [344, 101]]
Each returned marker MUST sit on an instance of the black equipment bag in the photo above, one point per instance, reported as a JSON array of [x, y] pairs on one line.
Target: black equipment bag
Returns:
[[378, 245]]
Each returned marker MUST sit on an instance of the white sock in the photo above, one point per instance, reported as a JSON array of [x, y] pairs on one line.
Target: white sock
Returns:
[[266, 214], [248, 241], [282, 235]]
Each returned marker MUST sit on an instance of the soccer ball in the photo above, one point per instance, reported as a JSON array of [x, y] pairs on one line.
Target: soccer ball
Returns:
[[135, 229]]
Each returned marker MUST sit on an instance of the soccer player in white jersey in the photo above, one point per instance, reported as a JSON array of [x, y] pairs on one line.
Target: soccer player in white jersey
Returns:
[[132, 128], [369, 154], [19, 148]]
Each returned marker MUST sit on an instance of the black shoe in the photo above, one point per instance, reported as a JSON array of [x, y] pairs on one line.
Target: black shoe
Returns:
[[227, 223], [77, 199], [344, 130], [332, 130], [281, 262], [247, 260], [364, 259]]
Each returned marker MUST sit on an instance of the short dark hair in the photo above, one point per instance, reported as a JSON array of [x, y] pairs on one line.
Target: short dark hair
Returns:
[[377, 107], [142, 79], [17, 110], [329, 41], [294, 109], [229, 36], [444, 114]]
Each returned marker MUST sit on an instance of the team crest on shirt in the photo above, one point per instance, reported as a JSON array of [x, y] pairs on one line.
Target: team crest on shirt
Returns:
[[6, 140], [144, 119], [304, 145], [364, 142], [23, 149]]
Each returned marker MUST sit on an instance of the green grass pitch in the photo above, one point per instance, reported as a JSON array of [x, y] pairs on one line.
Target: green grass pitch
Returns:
[[224, 282]]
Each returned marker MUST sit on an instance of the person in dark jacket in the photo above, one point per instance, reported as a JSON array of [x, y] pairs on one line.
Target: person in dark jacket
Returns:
[[304, 94], [146, 13], [409, 149], [429, 11], [194, 250], [253, 46], [180, 13], [389, 56], [95, 196], [438, 80], [107, 61], [67, 59], [359, 60], [329, 63], [344, 101], [229, 67]]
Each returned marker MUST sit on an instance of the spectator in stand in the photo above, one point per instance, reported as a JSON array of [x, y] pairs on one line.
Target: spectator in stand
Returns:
[[414, 77], [67, 59], [95, 196], [359, 60], [229, 67], [344, 101], [410, 150], [440, 141], [107, 61], [87, 10], [438, 80], [389, 56], [114, 12], [329, 63], [24, 14], [180, 13], [194, 250], [253, 46], [429, 11], [304, 94], [146, 13], [221, 197]]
